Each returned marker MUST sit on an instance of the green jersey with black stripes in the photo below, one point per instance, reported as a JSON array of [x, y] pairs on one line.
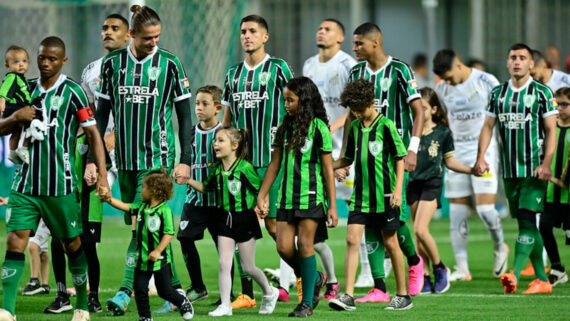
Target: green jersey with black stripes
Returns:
[[373, 150], [255, 98], [142, 95], [302, 185], [236, 188], [394, 88], [152, 224], [51, 171], [203, 161], [519, 113], [555, 194]]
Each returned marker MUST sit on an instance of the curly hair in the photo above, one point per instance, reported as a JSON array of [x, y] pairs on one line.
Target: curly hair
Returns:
[[310, 106], [357, 95], [440, 116], [160, 184]]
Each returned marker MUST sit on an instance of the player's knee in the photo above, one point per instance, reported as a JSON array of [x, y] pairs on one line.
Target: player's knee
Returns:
[[489, 215], [352, 241], [420, 233], [17, 241], [33, 248], [71, 245]]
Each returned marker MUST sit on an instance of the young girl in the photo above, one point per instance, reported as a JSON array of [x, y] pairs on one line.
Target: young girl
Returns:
[[302, 150], [236, 183], [424, 188], [154, 231]]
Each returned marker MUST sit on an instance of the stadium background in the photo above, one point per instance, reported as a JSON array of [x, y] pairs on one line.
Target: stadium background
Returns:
[[204, 33]]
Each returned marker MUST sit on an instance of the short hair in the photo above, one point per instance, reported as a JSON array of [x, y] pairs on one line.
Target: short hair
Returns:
[[367, 28], [419, 60], [15, 48], [257, 19], [358, 94], [521, 46], [443, 61], [120, 17], [143, 16], [563, 91], [474, 61], [53, 42], [537, 56], [160, 184], [214, 91], [338, 23]]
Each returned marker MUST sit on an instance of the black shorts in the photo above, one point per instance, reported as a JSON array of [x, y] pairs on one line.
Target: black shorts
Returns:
[[91, 232], [424, 190], [557, 215], [295, 215], [195, 219], [322, 233], [389, 220], [239, 226]]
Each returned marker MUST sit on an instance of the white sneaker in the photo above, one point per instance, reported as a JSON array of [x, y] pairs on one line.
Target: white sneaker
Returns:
[[364, 281], [80, 315], [221, 310], [500, 262], [268, 302], [387, 267], [557, 277], [459, 274]]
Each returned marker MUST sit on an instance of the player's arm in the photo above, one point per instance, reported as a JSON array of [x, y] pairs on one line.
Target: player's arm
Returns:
[[396, 197], [199, 186], [543, 171], [227, 121], [8, 125], [481, 166], [332, 215], [164, 241], [2, 104], [262, 207], [456, 166], [118, 204], [338, 124], [96, 147], [410, 160], [181, 172]]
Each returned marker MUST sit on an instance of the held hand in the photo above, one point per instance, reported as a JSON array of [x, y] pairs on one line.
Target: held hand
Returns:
[[262, 208], [90, 175], [543, 172], [480, 167], [342, 173], [332, 217], [26, 114], [410, 161], [4, 201], [181, 174], [103, 190], [154, 256], [396, 199]]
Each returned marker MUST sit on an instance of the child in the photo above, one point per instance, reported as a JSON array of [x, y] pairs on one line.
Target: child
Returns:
[[154, 232], [236, 183], [15, 94], [426, 181], [377, 151], [302, 150], [556, 208]]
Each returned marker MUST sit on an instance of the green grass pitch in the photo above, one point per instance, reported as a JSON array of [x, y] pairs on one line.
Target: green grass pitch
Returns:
[[480, 299]]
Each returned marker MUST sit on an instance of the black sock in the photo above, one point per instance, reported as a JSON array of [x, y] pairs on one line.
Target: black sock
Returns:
[[192, 260], [247, 287], [34, 280], [127, 291], [379, 284], [557, 266], [94, 270], [58, 263], [61, 288], [413, 260]]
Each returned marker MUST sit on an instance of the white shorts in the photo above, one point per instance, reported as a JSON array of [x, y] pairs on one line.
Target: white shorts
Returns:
[[41, 238], [463, 185]]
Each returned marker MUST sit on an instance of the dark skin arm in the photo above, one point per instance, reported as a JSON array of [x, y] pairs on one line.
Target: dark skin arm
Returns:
[[8, 125]]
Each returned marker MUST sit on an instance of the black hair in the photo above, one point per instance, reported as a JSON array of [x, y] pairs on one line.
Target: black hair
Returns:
[[257, 19], [419, 60], [440, 116], [53, 42], [143, 16], [16, 48], [338, 23], [310, 106], [366, 28], [443, 61], [120, 17], [521, 46], [537, 56], [357, 95]]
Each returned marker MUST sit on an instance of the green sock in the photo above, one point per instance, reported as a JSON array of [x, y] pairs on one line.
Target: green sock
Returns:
[[524, 245], [536, 256], [129, 275], [12, 271], [77, 264], [406, 241], [309, 276], [375, 245]]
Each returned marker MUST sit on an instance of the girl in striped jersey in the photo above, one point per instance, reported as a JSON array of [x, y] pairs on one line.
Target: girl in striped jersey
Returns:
[[236, 183], [424, 189], [302, 149]]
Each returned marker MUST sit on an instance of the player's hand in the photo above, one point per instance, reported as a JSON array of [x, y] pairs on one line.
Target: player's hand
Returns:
[[154, 256], [103, 190], [26, 114], [410, 161], [181, 174], [342, 173], [332, 217], [4, 201], [396, 199], [262, 208], [90, 175], [543, 172], [480, 167]]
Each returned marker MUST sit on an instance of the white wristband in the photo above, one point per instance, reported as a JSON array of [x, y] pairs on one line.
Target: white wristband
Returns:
[[414, 144]]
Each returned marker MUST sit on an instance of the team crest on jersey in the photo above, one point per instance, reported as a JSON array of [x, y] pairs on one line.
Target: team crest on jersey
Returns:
[[234, 186], [432, 149], [529, 100], [153, 223], [307, 146], [375, 147], [55, 102], [153, 73], [82, 148], [385, 83], [264, 78], [183, 225]]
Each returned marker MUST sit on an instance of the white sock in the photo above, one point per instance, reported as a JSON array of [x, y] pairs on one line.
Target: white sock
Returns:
[[327, 260], [285, 272], [492, 221], [544, 254], [458, 231], [364, 263]]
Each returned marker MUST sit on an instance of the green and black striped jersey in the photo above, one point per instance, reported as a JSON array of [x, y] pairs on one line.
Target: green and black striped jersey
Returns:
[[152, 225], [555, 194], [373, 150], [394, 88], [142, 95], [520, 113], [15, 90], [51, 171], [203, 160], [255, 98], [302, 185], [236, 188]]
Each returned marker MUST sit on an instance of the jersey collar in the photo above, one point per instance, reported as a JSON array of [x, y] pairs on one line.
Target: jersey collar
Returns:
[[372, 124], [60, 80], [523, 87], [267, 56], [381, 68], [200, 130], [132, 56]]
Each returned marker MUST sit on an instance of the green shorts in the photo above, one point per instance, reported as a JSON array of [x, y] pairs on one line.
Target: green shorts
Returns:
[[131, 184], [62, 215], [273, 191], [528, 193]]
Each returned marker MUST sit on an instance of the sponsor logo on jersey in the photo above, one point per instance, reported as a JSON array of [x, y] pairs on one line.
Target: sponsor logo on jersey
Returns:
[[185, 83], [379, 105], [153, 73], [553, 102], [433, 148], [153, 223], [413, 83], [234, 186], [307, 146], [514, 120], [375, 147], [138, 94], [250, 99]]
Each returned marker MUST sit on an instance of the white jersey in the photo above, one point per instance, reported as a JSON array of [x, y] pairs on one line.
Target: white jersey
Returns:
[[465, 105], [558, 80]]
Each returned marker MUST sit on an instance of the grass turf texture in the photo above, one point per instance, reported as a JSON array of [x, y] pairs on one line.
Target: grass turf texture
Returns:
[[480, 299]]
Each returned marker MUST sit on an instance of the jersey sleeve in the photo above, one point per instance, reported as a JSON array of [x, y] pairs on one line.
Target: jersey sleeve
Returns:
[[227, 95], [180, 82], [447, 148], [393, 140], [344, 69], [85, 115], [105, 80], [548, 105], [85, 84], [350, 150], [284, 74], [250, 178], [7, 84], [167, 220], [408, 83], [491, 108], [134, 208], [324, 137]]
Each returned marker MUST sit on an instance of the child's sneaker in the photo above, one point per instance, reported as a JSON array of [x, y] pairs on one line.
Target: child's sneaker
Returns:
[[441, 276], [221, 310], [166, 307], [345, 302], [400, 302], [332, 290], [243, 301], [428, 286], [301, 311], [283, 295], [186, 310], [460, 274], [538, 286], [375, 295], [23, 154], [194, 294], [415, 277], [268, 302]]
